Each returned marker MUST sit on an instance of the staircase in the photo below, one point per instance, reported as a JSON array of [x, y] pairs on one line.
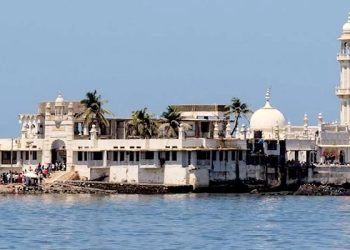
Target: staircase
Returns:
[[61, 176]]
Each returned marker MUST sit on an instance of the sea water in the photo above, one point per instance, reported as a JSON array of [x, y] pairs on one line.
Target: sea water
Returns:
[[183, 221]]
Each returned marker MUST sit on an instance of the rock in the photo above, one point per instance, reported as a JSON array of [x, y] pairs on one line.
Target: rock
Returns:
[[320, 190], [254, 191]]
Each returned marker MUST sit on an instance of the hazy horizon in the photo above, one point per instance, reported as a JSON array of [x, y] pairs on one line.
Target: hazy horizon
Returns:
[[153, 53]]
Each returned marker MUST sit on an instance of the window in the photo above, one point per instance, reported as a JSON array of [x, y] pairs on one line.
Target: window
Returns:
[[27, 156], [189, 158], [213, 155], [6, 157], [131, 156], [233, 155], [203, 155], [115, 156], [80, 156], [167, 156], [122, 156], [257, 134], [240, 155], [174, 156], [272, 145], [221, 155], [226, 155], [97, 156], [35, 155], [137, 156], [149, 155], [205, 127]]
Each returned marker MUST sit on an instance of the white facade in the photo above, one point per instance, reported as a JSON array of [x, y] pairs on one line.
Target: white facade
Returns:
[[194, 158], [204, 152]]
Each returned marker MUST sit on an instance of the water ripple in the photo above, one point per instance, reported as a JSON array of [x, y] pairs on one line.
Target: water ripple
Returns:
[[186, 221]]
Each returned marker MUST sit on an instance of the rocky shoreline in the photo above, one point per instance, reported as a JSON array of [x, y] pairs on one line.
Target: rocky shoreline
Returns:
[[102, 188], [88, 187], [322, 190]]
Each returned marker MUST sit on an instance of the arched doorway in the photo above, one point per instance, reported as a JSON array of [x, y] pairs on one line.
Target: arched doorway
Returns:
[[58, 152]]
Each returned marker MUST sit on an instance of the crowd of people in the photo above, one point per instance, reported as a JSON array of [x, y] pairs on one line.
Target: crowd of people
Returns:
[[33, 176]]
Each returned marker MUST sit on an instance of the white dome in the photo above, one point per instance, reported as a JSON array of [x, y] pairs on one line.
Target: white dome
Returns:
[[59, 99], [346, 26], [267, 118]]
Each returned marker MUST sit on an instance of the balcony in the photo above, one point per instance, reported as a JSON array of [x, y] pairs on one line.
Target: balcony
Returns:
[[343, 57], [342, 92]]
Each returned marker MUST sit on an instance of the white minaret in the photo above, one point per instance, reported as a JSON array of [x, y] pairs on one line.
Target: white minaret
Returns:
[[343, 91]]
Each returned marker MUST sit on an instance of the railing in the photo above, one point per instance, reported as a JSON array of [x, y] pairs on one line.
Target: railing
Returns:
[[340, 91], [203, 162], [334, 142], [343, 56], [96, 163], [300, 136], [334, 128]]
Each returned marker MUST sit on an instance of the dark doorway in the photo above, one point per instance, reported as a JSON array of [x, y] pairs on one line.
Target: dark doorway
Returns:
[[58, 152]]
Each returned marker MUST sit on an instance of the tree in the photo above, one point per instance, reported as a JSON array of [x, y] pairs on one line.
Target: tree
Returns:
[[171, 120], [237, 109], [93, 112], [142, 124]]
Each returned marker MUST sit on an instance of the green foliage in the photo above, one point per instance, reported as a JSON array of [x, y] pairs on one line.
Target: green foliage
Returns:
[[142, 124], [93, 111], [171, 120], [237, 109]]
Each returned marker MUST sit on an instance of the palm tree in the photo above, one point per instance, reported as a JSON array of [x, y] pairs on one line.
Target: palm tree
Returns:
[[142, 124], [238, 109], [171, 120], [93, 111]]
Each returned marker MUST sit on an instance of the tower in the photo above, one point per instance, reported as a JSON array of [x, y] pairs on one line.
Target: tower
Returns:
[[343, 91], [59, 132]]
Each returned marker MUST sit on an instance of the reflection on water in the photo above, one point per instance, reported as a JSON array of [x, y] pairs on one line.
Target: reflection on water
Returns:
[[183, 221]]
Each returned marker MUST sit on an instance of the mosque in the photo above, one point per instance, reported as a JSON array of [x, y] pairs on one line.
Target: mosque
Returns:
[[270, 149]]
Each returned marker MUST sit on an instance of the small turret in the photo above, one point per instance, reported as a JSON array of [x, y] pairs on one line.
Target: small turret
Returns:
[[59, 105]]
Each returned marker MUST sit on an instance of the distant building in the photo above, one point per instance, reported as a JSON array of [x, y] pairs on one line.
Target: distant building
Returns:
[[269, 149]]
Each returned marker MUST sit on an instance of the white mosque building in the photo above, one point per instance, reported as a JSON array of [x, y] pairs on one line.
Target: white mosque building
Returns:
[[205, 153]]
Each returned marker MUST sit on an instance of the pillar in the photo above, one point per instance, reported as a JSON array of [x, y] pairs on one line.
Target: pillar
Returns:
[[105, 159]]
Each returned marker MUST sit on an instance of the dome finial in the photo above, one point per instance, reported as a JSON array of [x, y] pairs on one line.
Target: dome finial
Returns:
[[268, 95]]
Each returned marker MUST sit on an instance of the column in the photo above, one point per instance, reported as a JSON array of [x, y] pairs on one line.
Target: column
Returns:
[[347, 75], [156, 158], [194, 158], [105, 158], [19, 160], [346, 111]]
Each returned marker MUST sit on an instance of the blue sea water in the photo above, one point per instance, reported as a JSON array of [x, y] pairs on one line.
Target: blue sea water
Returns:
[[184, 221]]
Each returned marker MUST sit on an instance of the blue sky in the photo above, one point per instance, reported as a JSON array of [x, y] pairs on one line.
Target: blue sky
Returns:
[[151, 53]]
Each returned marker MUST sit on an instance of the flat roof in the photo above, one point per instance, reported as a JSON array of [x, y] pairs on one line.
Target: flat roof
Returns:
[[200, 107]]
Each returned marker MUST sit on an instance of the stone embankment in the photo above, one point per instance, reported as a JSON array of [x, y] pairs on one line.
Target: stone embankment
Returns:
[[87, 187], [103, 188]]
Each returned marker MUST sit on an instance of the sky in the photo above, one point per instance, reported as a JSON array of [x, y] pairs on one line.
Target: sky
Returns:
[[152, 53]]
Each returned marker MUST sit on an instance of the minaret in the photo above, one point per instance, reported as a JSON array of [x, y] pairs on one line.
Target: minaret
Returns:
[[267, 98], [343, 91]]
